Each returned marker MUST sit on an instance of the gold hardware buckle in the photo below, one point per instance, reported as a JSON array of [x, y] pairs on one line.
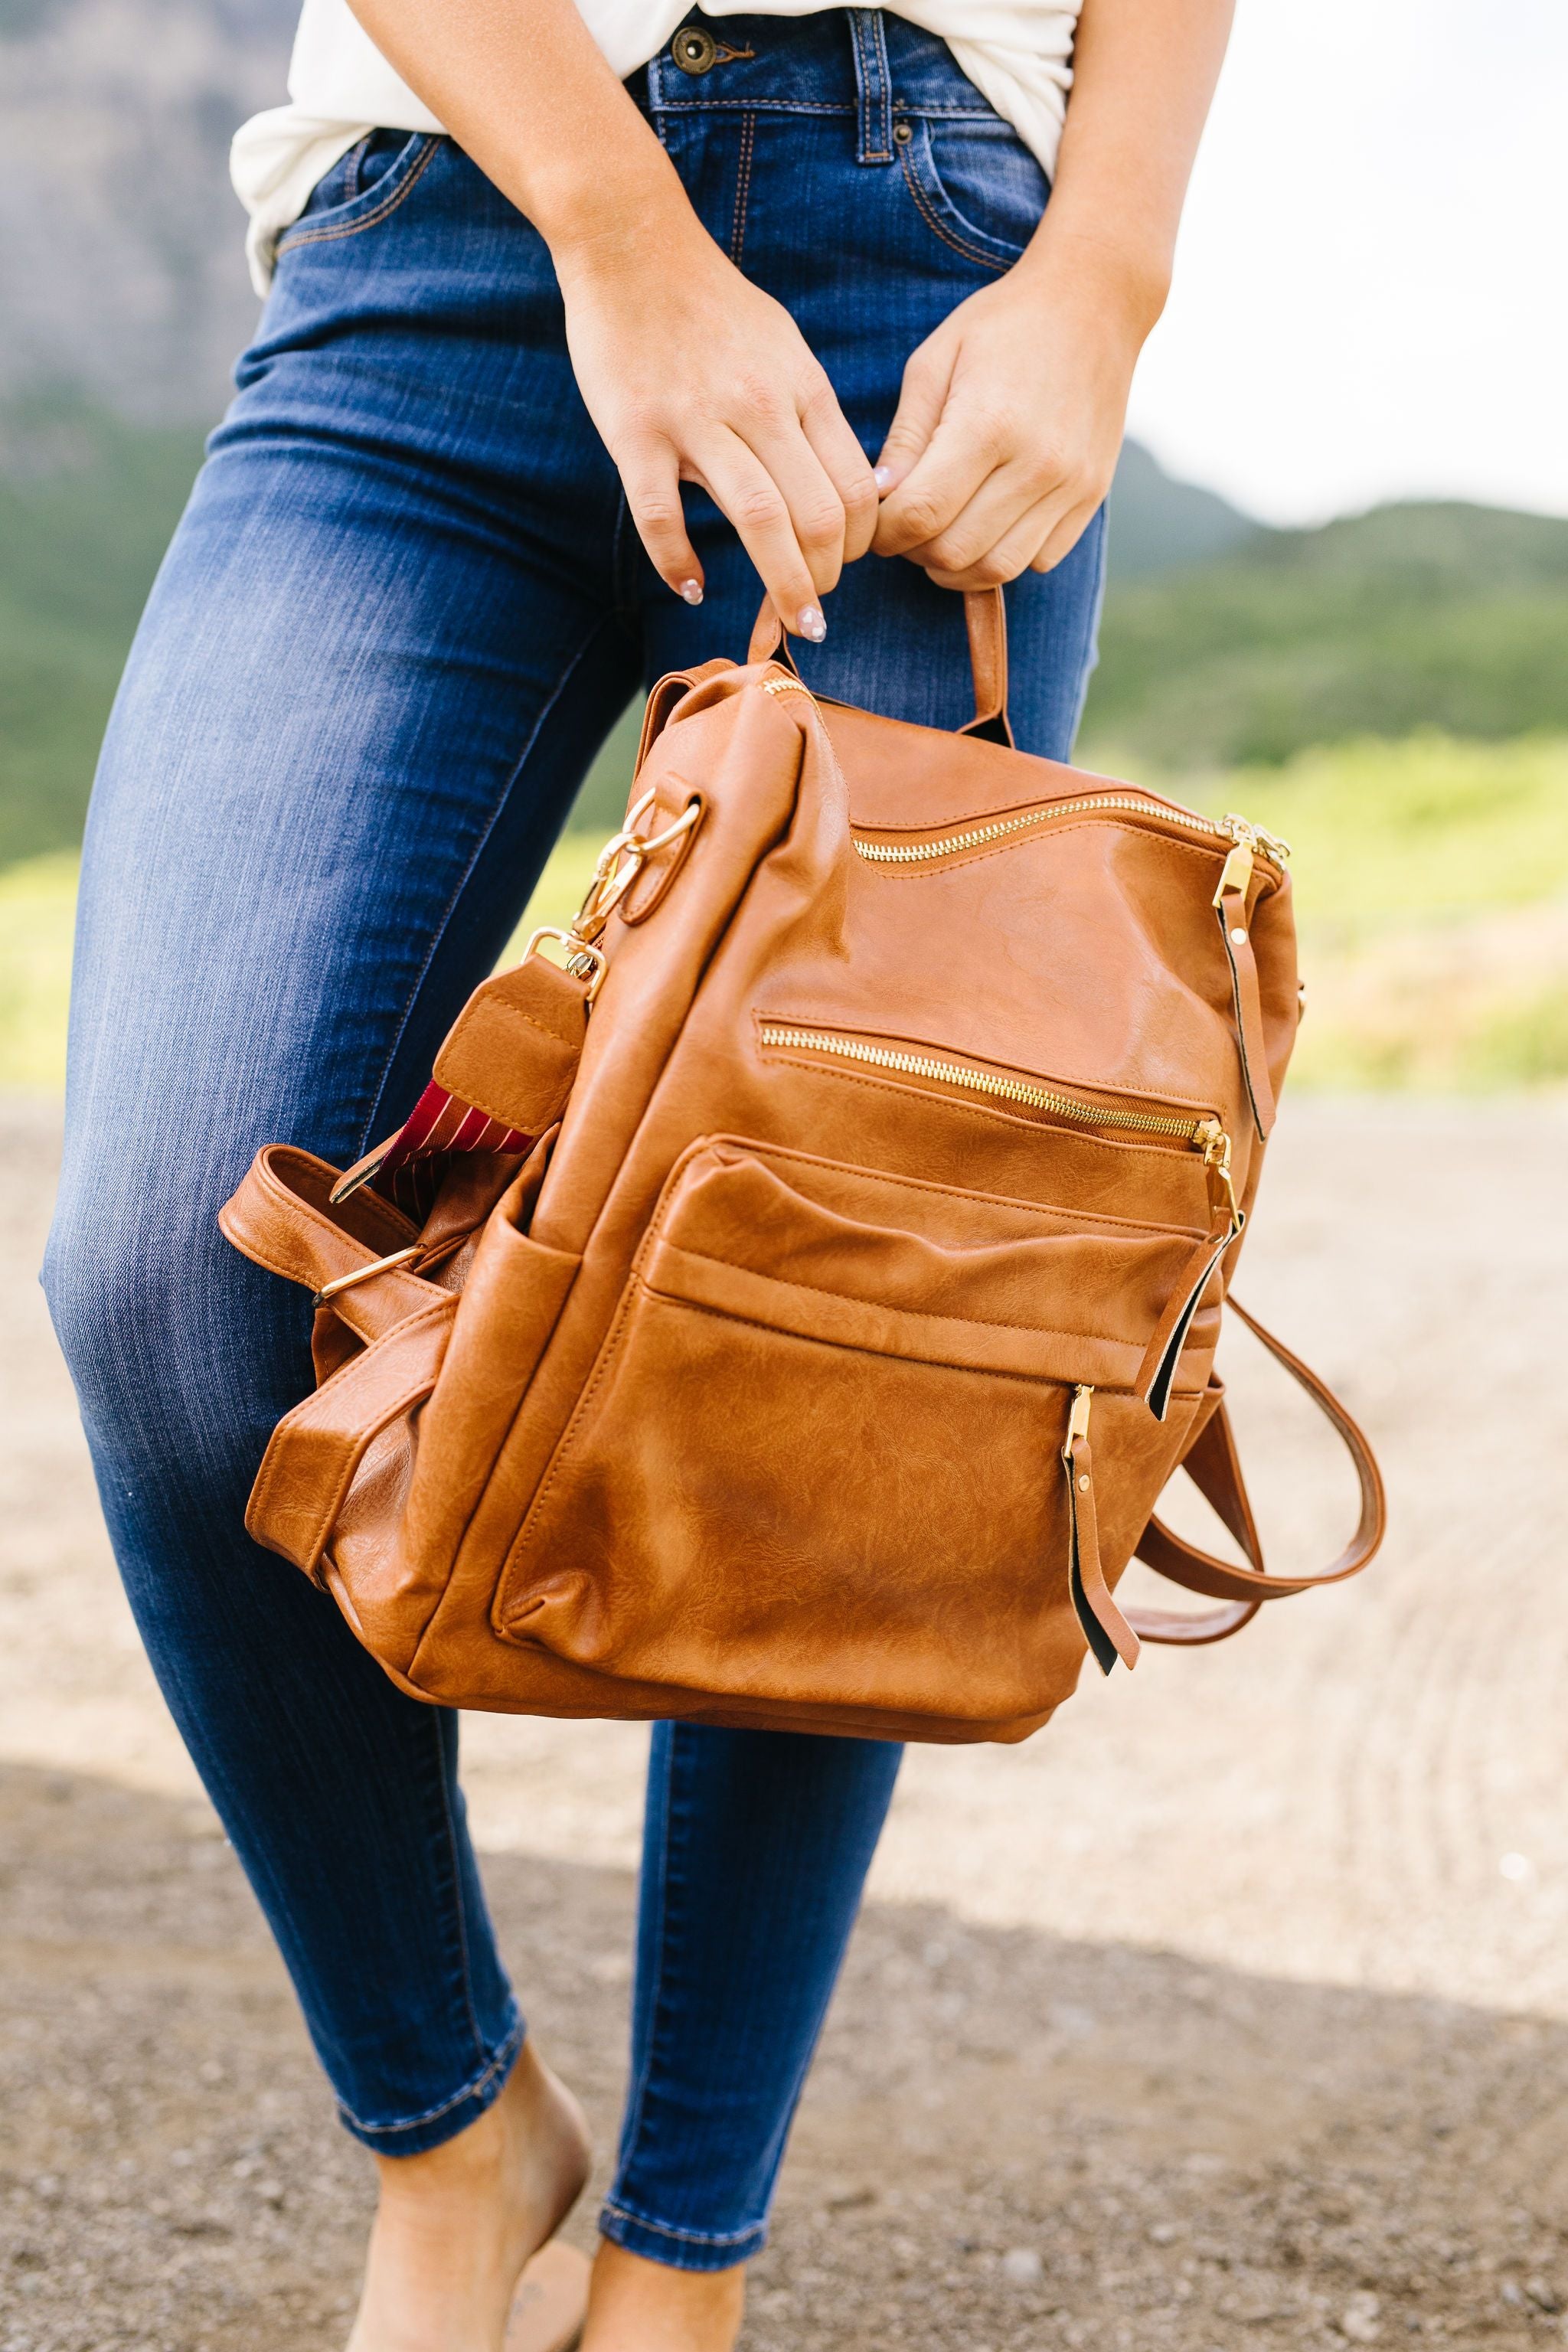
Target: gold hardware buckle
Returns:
[[581, 956], [343, 1282]]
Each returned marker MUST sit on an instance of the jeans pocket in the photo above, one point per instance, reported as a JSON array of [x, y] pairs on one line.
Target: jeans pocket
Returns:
[[368, 183], [975, 184]]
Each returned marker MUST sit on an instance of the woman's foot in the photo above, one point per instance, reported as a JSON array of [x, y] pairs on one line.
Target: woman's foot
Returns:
[[635, 2305], [454, 2226]]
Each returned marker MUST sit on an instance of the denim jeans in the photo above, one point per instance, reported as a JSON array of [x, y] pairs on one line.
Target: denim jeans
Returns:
[[401, 611]]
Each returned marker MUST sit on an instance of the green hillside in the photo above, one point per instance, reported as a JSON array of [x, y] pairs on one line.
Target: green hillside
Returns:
[[1224, 644], [1422, 615], [87, 505]]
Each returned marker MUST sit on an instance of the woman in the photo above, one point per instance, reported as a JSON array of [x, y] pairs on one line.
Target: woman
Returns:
[[802, 261]]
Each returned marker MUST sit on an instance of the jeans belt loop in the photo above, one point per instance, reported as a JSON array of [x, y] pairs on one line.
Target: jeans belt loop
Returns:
[[873, 84]]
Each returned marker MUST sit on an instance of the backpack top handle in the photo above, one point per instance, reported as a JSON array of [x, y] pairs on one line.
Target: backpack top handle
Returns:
[[986, 616]]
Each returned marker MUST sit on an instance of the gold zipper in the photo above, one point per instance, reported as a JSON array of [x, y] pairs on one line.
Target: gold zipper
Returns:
[[1234, 829], [1203, 1130], [1206, 1134]]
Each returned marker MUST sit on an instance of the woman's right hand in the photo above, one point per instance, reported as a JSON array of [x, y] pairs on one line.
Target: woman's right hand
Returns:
[[693, 375]]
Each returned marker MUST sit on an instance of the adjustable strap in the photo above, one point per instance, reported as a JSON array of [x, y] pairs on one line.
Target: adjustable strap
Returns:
[[1230, 906], [1105, 1630], [1215, 1468]]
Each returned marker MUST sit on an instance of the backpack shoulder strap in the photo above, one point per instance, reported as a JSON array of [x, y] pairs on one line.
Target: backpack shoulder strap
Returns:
[[1212, 1465]]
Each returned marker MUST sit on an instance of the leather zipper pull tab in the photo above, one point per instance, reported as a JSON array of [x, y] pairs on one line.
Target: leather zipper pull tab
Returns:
[[1105, 1630]]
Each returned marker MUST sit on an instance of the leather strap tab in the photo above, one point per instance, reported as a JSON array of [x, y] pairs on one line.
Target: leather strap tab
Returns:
[[1105, 1629], [1231, 909]]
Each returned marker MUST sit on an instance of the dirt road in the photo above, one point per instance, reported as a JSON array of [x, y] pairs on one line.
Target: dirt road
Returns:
[[1230, 2012]]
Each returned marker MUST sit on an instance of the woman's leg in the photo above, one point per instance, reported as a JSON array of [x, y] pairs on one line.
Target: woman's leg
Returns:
[[376, 665]]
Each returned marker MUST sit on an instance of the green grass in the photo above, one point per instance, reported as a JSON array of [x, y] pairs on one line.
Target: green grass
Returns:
[[1432, 893]]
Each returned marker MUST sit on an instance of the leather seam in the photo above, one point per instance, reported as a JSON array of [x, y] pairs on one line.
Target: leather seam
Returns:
[[878, 1306], [884, 1355], [766, 1151]]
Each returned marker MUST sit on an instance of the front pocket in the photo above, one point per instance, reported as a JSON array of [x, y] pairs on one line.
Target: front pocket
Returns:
[[975, 184], [365, 207], [819, 1460]]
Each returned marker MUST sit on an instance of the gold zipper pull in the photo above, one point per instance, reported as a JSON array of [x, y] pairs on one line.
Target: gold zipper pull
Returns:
[[1236, 874], [1078, 1419], [1217, 1156]]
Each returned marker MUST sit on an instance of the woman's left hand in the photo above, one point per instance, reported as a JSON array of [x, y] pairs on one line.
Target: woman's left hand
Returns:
[[1007, 429]]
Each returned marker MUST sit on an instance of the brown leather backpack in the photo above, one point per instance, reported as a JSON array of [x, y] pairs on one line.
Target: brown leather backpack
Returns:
[[789, 1312]]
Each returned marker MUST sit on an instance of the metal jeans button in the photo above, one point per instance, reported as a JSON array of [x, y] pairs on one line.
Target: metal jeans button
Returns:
[[694, 49]]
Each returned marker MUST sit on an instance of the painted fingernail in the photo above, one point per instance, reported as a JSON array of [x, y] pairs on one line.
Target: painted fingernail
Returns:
[[812, 627], [691, 591], [882, 476]]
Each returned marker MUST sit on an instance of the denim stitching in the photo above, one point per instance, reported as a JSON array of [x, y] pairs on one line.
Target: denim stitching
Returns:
[[742, 188], [693, 2237], [378, 213], [871, 72], [914, 108], [922, 204], [505, 2054], [439, 933]]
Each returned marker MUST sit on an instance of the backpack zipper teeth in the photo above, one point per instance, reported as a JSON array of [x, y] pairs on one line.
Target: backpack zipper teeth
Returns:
[[974, 836], [1205, 1132]]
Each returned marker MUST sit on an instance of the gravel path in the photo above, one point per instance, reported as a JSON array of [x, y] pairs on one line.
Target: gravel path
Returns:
[[1230, 2012]]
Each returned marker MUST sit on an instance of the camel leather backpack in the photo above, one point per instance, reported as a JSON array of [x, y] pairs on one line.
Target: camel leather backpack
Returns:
[[787, 1308]]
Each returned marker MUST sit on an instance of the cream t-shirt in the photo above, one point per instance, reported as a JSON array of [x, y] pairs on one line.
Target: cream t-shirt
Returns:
[[1017, 53]]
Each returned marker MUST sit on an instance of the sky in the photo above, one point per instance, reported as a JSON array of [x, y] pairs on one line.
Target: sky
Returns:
[[1370, 298]]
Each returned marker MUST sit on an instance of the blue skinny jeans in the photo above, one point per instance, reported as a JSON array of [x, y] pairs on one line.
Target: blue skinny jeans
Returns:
[[401, 611]]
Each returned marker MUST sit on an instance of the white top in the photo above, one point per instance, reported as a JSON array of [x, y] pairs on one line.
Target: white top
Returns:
[[1017, 53]]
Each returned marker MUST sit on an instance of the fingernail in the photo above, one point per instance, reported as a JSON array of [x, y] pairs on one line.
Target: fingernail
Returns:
[[812, 627], [691, 591], [882, 476]]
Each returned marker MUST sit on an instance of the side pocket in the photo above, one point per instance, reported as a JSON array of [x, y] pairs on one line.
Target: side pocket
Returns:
[[403, 1523], [819, 1460], [976, 186], [366, 208]]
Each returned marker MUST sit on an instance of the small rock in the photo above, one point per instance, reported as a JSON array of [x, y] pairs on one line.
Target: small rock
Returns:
[[1022, 2265], [1164, 2233], [270, 2192], [1359, 2321], [1544, 2296]]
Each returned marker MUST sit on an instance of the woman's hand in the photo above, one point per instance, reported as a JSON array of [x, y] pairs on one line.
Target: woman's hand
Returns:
[[693, 375], [1007, 431]]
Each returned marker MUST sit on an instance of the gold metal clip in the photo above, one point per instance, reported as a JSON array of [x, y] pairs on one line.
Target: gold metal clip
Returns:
[[363, 1274], [1078, 1419]]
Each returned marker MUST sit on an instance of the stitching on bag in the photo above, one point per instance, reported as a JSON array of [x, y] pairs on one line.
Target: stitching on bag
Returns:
[[882, 1355], [922, 204], [378, 213], [853, 1298], [742, 187], [958, 1192]]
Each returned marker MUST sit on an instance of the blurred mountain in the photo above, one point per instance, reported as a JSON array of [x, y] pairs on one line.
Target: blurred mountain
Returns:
[[122, 269], [1158, 523], [124, 297], [1420, 614]]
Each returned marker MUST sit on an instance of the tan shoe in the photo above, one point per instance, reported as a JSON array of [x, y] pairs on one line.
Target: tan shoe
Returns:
[[552, 2301]]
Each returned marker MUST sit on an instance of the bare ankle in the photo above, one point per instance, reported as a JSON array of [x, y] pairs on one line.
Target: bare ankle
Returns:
[[637, 2305]]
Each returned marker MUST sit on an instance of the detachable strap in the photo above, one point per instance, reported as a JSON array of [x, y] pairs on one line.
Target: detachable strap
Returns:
[[987, 617], [1215, 1468]]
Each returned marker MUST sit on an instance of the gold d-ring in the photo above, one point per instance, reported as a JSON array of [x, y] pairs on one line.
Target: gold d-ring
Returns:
[[364, 1273]]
